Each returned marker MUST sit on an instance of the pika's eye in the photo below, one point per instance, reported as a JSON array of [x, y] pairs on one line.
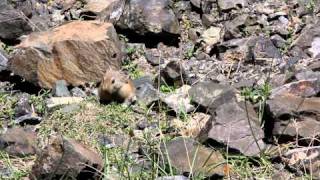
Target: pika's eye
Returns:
[[113, 81]]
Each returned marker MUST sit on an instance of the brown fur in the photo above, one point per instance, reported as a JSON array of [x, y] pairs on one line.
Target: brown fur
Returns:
[[115, 86]]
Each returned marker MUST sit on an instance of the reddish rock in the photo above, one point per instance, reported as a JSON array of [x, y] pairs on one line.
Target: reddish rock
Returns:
[[66, 158], [77, 52]]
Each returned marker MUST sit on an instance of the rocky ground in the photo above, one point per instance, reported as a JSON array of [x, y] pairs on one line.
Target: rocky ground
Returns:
[[227, 89]]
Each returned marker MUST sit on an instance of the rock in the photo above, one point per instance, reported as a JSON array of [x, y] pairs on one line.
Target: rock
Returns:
[[3, 61], [60, 89], [303, 88], [208, 20], [71, 108], [172, 178], [31, 119], [278, 41], [12, 22], [149, 16], [211, 37], [23, 105], [179, 100], [145, 92], [174, 73], [77, 92], [305, 110], [68, 52], [153, 57], [291, 105], [66, 158], [206, 93], [308, 75], [19, 142], [196, 3], [231, 4], [107, 10], [230, 126], [193, 126], [181, 151], [308, 40], [58, 101]]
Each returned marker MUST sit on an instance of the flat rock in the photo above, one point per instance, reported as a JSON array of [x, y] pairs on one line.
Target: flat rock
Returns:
[[19, 142], [303, 88], [182, 151], [231, 4], [149, 16], [235, 124], [66, 158], [206, 93], [58, 101], [68, 52]]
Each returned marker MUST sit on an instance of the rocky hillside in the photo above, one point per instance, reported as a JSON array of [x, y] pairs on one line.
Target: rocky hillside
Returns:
[[226, 89]]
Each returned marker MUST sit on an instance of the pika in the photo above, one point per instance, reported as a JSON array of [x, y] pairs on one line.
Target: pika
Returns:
[[115, 86]]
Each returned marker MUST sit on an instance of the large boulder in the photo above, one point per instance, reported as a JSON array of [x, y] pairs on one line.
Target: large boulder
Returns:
[[77, 52], [13, 23], [149, 16], [66, 158]]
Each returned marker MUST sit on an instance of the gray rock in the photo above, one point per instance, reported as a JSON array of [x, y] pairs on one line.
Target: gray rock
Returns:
[[231, 4], [3, 61], [174, 73], [235, 124], [12, 22], [308, 39], [207, 93], [153, 57], [23, 105], [30, 119], [303, 88], [278, 41], [181, 151], [149, 16], [60, 89], [179, 100], [77, 92], [145, 92]]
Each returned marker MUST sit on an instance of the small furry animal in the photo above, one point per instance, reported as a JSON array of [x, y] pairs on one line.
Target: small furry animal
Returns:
[[115, 86]]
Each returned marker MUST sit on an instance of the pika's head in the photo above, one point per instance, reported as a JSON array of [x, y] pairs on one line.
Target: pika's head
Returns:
[[112, 82]]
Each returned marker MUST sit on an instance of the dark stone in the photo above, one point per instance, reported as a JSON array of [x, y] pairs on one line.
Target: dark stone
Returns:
[[23, 106], [174, 73], [149, 16], [12, 22], [68, 159], [145, 92]]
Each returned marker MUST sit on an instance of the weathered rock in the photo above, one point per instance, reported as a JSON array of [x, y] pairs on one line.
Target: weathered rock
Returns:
[[60, 89], [23, 105], [307, 75], [77, 92], [58, 101], [145, 92], [211, 37], [174, 73], [19, 142], [206, 93], [303, 88], [153, 57], [68, 52], [308, 40], [104, 9], [3, 61], [31, 119], [231, 4], [149, 16], [236, 125], [305, 110], [66, 158], [182, 151], [278, 41], [179, 100], [12, 22]]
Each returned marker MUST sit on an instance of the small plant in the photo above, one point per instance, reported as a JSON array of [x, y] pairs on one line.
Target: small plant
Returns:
[[7, 104], [189, 53], [38, 101], [258, 95], [310, 6], [130, 50], [164, 88], [132, 69], [8, 49]]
